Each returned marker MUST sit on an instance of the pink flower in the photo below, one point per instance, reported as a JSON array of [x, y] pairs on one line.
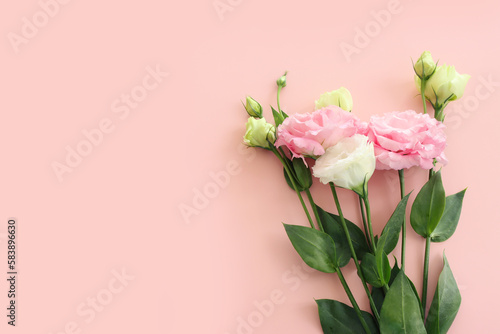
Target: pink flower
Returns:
[[309, 135], [407, 139]]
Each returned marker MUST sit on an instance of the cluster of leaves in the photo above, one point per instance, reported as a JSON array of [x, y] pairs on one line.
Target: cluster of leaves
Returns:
[[434, 216]]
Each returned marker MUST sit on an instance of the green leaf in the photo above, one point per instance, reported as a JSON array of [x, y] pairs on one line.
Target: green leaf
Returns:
[[383, 265], [428, 206], [289, 182], [448, 223], [401, 310], [303, 173], [378, 294], [316, 248], [445, 304], [371, 272], [337, 317], [358, 238], [335, 230], [278, 117], [395, 224]]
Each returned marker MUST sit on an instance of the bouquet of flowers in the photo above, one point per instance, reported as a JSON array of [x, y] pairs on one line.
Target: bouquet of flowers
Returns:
[[332, 144]]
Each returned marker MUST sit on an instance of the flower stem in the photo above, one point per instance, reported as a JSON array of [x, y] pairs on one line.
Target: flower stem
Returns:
[[423, 83], [439, 113], [369, 218], [291, 177], [365, 226], [431, 171], [401, 173], [426, 271], [353, 301], [315, 210], [278, 98], [353, 253]]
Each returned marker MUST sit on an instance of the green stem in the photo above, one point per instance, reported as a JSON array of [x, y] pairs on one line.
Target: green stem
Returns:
[[401, 173], [278, 98], [431, 171], [365, 226], [353, 301], [423, 83], [426, 271], [291, 177], [369, 218], [353, 253], [315, 210], [439, 113]]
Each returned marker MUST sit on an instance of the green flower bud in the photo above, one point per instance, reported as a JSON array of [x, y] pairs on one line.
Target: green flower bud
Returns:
[[253, 108], [444, 85], [425, 66], [281, 82], [340, 97], [259, 133]]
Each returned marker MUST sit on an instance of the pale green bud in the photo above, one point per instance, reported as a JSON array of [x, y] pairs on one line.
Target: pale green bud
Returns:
[[281, 82], [340, 97], [259, 133], [425, 66], [253, 107], [444, 85]]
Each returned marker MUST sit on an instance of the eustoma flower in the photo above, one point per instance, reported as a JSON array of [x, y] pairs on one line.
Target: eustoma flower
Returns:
[[259, 133], [340, 97], [348, 164], [444, 85], [309, 135], [407, 139], [425, 66]]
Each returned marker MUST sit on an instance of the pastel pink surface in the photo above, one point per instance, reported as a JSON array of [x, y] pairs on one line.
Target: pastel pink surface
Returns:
[[120, 206]]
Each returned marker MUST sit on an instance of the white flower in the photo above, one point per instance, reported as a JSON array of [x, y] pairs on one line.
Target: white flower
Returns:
[[347, 164], [341, 98]]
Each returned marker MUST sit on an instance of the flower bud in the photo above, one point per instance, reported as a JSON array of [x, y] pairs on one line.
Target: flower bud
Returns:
[[444, 85], [348, 164], [425, 66], [259, 133], [281, 82], [253, 108], [341, 98]]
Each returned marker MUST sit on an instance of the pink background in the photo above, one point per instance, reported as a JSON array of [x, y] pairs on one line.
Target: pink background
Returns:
[[119, 208]]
